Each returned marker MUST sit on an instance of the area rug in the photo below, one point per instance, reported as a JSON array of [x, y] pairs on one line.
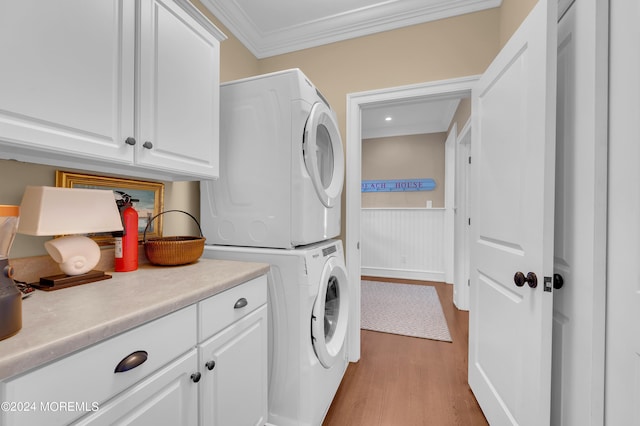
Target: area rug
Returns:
[[406, 309]]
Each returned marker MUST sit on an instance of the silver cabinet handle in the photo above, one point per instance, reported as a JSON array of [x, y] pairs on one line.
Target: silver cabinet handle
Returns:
[[147, 145], [241, 303], [130, 141]]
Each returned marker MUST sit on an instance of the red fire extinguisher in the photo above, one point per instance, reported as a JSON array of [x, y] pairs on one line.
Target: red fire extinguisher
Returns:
[[126, 241]]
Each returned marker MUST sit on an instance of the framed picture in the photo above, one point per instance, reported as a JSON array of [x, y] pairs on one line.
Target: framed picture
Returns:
[[150, 196]]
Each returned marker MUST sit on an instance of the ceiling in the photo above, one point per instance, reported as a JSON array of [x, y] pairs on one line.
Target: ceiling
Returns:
[[408, 117], [274, 27]]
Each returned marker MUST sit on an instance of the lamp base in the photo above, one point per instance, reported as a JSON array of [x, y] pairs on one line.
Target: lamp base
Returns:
[[56, 282]]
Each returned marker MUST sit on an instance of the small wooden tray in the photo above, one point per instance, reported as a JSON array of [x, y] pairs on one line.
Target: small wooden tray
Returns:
[[56, 282]]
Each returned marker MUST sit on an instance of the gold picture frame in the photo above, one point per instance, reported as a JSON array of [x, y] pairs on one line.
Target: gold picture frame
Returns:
[[149, 194]]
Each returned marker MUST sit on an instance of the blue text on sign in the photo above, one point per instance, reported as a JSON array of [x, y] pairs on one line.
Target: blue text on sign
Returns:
[[398, 185]]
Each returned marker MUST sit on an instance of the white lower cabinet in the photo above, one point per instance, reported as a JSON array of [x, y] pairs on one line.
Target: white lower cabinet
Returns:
[[83, 383], [204, 364], [233, 389], [169, 397], [232, 356]]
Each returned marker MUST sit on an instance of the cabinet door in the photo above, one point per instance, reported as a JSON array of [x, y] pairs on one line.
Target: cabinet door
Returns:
[[67, 77], [169, 397], [178, 88], [234, 390]]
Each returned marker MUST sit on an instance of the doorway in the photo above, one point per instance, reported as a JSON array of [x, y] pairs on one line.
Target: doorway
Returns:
[[444, 89]]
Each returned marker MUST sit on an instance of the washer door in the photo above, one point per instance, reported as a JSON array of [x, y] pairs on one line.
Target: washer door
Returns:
[[330, 313], [323, 155]]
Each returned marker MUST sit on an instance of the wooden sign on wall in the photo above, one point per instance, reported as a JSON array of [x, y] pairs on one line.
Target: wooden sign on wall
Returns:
[[398, 185]]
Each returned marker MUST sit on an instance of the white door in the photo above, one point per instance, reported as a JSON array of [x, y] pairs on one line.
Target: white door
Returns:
[[513, 156], [323, 154], [623, 285], [330, 313], [580, 217]]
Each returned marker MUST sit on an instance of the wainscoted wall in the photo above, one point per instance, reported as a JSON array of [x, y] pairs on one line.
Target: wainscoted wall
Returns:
[[403, 243]]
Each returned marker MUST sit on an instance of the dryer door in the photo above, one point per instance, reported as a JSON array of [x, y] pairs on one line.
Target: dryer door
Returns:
[[330, 313], [323, 154]]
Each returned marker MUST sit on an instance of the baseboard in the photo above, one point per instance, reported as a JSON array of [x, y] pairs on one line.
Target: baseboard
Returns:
[[404, 274]]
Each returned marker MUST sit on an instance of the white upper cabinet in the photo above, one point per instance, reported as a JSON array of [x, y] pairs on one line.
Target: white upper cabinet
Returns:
[[87, 84], [66, 80], [178, 89]]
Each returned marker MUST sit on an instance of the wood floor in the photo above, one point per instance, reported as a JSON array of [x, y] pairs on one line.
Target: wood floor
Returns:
[[405, 381]]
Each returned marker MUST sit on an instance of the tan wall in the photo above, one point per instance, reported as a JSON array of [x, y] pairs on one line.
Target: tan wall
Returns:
[[512, 13], [404, 157], [15, 176]]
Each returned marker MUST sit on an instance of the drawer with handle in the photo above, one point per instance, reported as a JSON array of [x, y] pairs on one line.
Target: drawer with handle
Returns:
[[223, 309], [71, 387]]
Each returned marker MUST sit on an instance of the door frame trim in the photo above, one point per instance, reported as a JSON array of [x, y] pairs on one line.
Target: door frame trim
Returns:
[[451, 88], [462, 234]]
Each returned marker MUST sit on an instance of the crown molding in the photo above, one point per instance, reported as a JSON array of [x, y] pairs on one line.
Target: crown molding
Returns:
[[383, 16]]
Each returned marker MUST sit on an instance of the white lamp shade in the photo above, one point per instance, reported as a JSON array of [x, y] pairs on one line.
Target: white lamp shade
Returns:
[[47, 210]]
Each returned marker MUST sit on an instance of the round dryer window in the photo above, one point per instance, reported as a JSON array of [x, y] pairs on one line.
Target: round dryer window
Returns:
[[323, 155], [330, 314]]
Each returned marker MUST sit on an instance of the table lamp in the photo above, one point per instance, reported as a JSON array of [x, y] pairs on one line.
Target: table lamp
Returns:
[[56, 211]]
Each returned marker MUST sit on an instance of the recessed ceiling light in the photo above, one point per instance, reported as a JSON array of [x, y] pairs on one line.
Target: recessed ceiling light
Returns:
[[388, 118]]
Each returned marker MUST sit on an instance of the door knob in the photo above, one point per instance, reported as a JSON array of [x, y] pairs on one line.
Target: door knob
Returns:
[[558, 281], [130, 141], [147, 145], [530, 279]]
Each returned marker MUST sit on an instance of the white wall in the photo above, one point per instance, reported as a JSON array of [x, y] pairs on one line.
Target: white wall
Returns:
[[403, 243]]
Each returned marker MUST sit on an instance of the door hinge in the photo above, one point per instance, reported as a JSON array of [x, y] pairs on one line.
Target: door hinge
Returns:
[[469, 160], [469, 221], [469, 283]]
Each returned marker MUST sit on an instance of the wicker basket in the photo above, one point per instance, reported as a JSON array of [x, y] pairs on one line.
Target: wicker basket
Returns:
[[171, 251]]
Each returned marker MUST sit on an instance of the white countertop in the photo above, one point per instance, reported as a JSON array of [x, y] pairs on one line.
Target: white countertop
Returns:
[[60, 322]]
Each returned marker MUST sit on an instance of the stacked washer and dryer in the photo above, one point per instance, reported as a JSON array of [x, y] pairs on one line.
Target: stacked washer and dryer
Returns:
[[277, 201]]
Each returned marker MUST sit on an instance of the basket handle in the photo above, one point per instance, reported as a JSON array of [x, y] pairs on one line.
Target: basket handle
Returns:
[[144, 237]]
